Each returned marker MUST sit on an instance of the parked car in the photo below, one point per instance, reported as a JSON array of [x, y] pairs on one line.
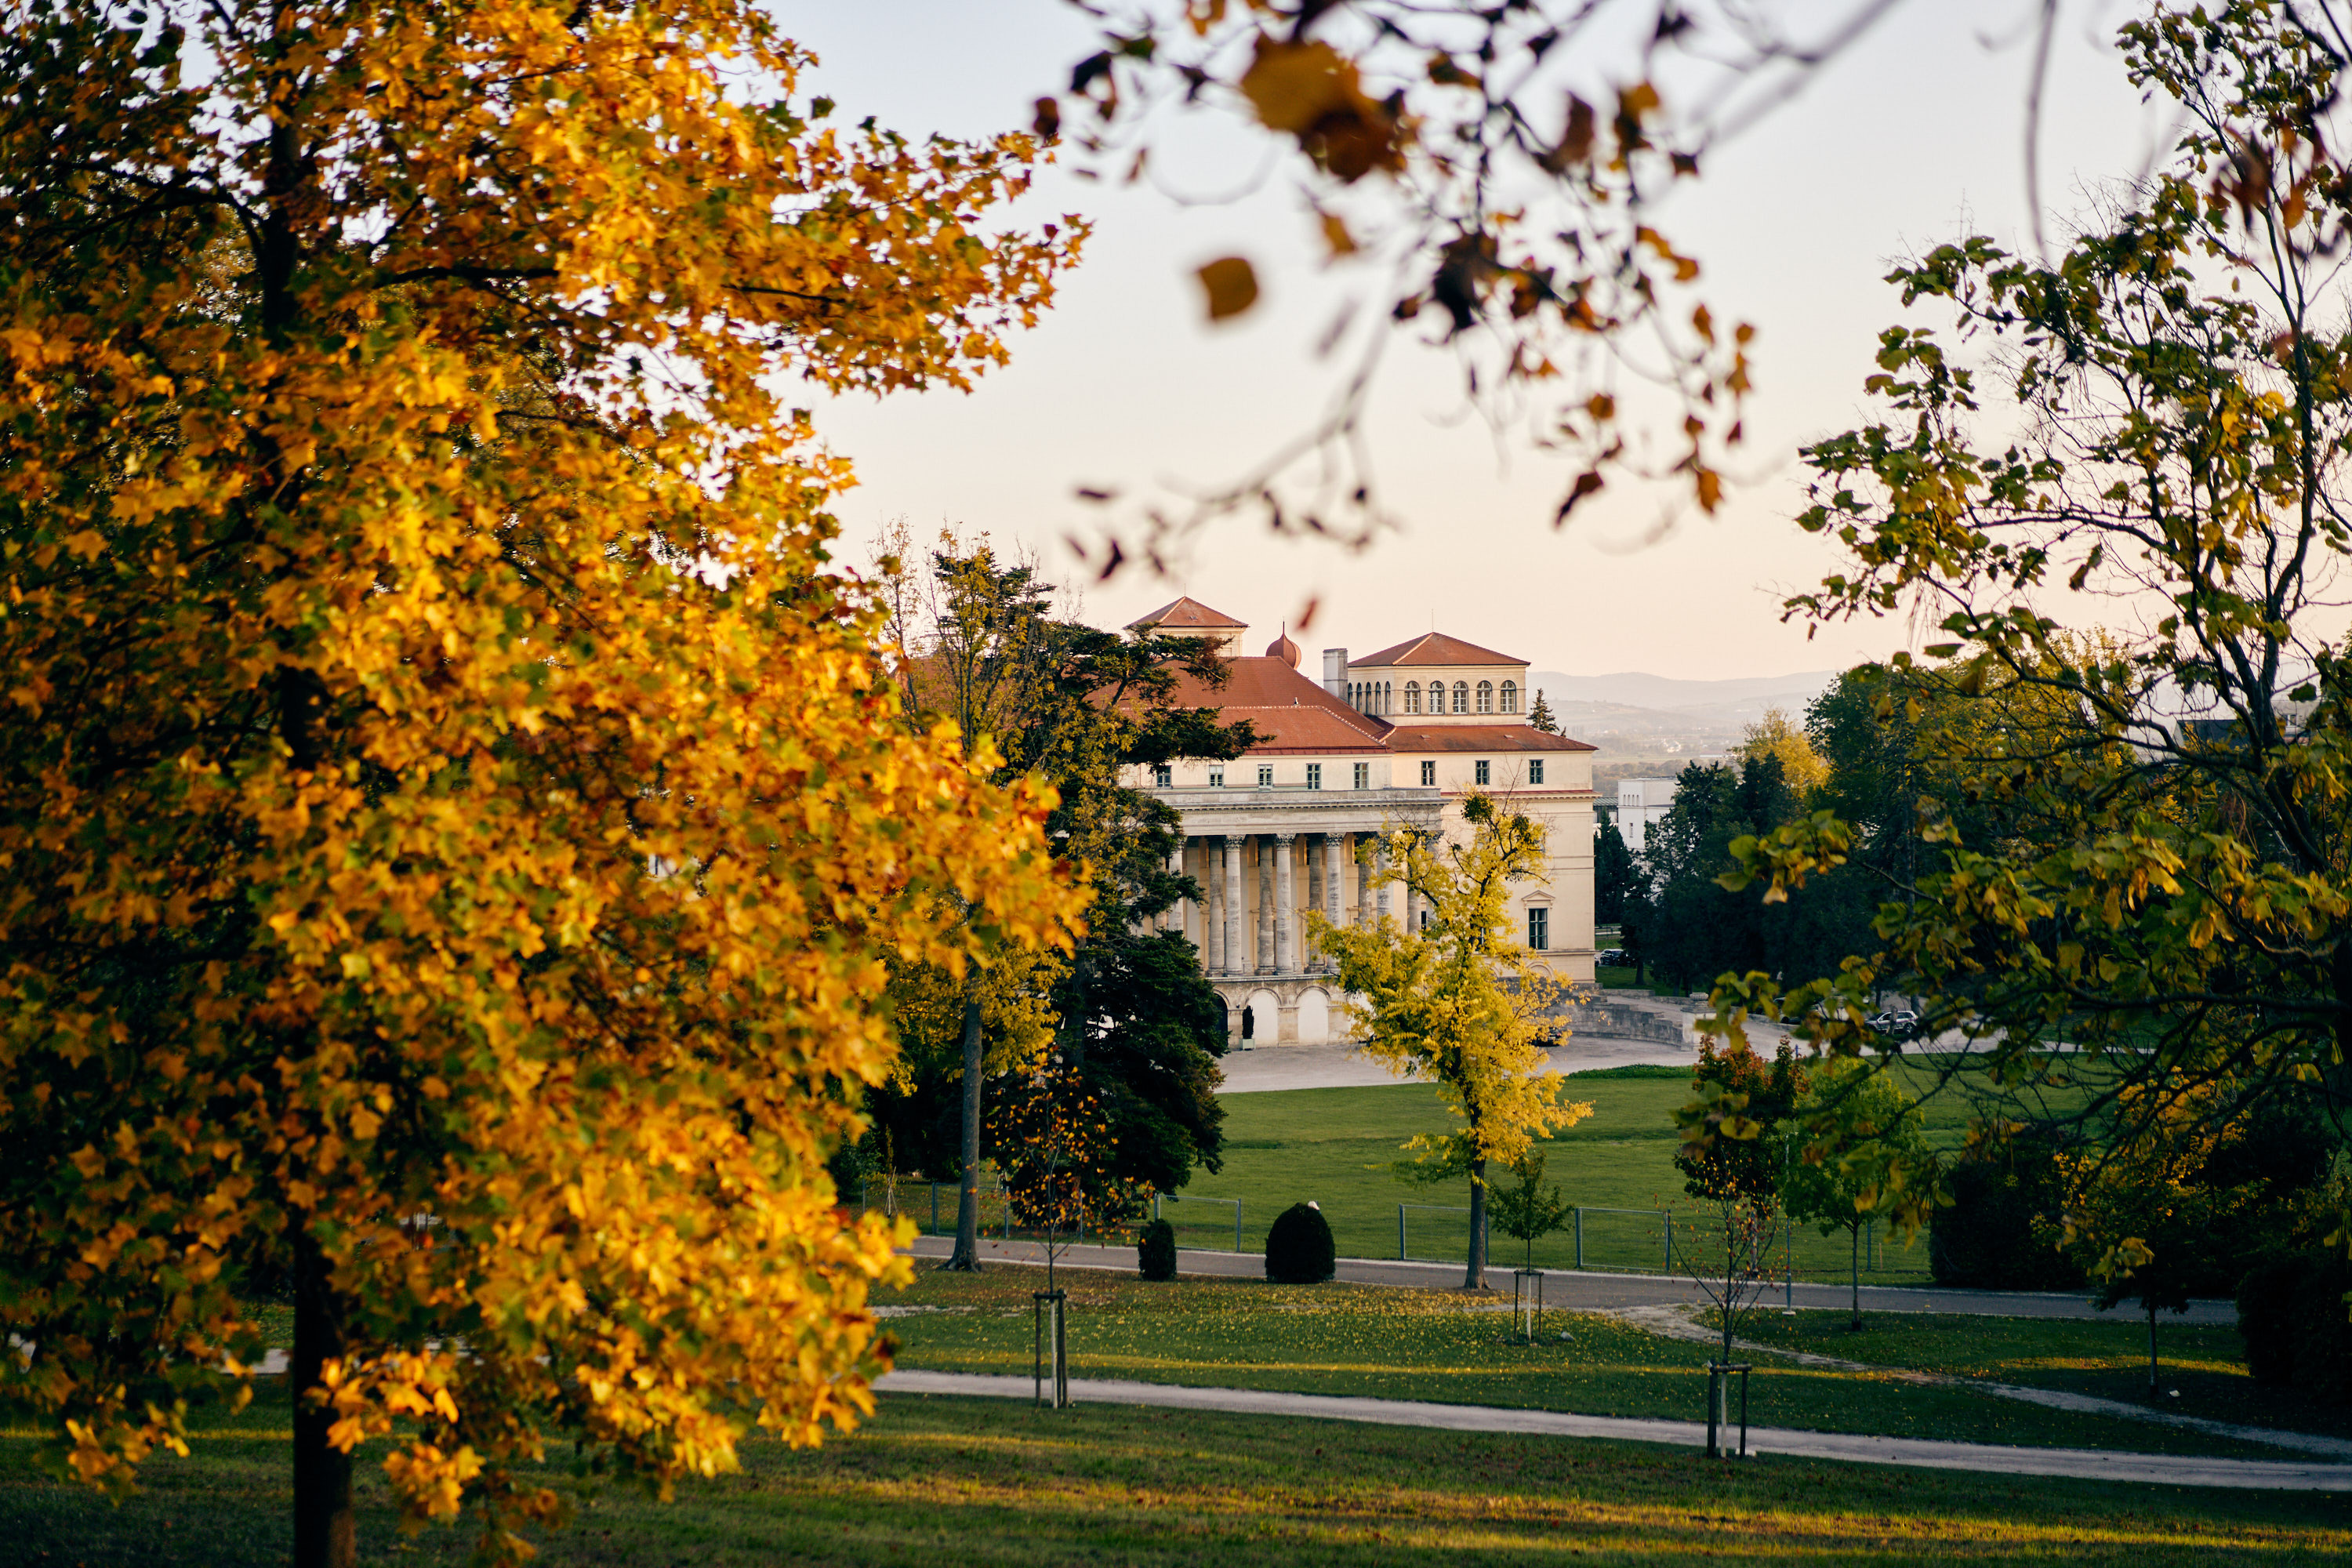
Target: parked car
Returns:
[[1902, 1023], [1614, 958]]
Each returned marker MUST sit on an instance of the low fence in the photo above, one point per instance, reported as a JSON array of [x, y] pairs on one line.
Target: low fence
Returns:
[[1595, 1240]]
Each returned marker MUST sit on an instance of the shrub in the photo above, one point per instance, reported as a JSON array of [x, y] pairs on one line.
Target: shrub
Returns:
[[1298, 1250], [1156, 1254], [2292, 1314], [1999, 1231]]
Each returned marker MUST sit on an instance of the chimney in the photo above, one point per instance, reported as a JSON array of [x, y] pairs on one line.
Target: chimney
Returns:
[[1334, 672]]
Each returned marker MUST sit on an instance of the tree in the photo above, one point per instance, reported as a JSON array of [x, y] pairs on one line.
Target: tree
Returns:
[[977, 640], [2162, 883], [1460, 1001], [1865, 1157], [1527, 1213], [1618, 885], [1733, 1159], [1776, 736], [1539, 717], [452, 833], [2143, 1220], [1694, 927]]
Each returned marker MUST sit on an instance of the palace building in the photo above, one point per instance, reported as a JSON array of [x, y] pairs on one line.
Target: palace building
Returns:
[[1394, 740]]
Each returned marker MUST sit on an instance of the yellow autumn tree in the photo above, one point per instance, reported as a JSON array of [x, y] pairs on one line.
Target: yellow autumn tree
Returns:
[[1460, 1001], [451, 826], [1776, 735]]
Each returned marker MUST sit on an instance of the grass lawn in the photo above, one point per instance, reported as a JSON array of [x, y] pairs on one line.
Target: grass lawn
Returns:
[[1336, 1146], [949, 1481], [2202, 1363], [1434, 1345]]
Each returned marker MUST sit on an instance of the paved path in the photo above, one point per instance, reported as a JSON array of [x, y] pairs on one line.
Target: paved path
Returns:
[[1572, 1292], [2163, 1470]]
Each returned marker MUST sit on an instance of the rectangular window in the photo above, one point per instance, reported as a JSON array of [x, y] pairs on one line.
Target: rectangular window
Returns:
[[1538, 928], [1163, 775], [1265, 776], [1428, 776], [1485, 772], [1363, 775], [1216, 778], [1535, 770], [1315, 775]]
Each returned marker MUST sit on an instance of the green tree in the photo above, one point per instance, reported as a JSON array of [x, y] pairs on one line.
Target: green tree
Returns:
[[1862, 1156], [1461, 1002], [1694, 927], [1618, 884], [1733, 1157], [1524, 1210], [979, 643], [1539, 717], [2153, 872]]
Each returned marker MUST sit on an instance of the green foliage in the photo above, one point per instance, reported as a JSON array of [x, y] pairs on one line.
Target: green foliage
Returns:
[[1619, 886], [1460, 1000], [1523, 1210], [1298, 1250], [1735, 1130], [1863, 1153], [2137, 845], [2002, 1227], [2291, 1312], [1539, 717], [1692, 927], [1155, 1254]]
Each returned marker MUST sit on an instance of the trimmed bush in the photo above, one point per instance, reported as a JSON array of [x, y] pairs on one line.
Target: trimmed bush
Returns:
[[1156, 1253], [2000, 1229], [1298, 1250], [2292, 1314]]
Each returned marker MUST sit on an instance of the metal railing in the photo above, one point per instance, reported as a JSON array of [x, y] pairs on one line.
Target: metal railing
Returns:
[[1157, 1198]]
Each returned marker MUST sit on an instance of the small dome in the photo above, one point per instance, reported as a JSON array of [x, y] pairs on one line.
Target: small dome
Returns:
[[1283, 648]]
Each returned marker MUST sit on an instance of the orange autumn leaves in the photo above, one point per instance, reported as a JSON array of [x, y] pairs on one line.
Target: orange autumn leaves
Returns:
[[451, 811]]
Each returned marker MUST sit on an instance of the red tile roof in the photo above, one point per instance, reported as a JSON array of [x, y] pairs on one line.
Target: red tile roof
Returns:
[[1186, 615], [1479, 738], [1434, 648], [1291, 714]]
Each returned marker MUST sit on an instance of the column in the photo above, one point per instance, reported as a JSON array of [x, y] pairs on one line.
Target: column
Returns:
[[1334, 844], [1230, 954], [1285, 906], [1265, 949], [1363, 877], [1380, 861]]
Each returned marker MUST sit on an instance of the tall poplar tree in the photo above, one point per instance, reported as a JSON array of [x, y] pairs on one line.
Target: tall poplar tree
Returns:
[[451, 828]]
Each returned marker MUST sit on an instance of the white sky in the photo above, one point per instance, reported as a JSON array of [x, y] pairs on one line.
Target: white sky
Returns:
[[1915, 137]]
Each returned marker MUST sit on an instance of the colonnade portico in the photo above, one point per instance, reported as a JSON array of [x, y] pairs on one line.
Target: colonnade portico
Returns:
[[1263, 857]]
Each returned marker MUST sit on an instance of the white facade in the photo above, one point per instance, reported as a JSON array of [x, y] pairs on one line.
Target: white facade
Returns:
[[1276, 832], [1640, 803]]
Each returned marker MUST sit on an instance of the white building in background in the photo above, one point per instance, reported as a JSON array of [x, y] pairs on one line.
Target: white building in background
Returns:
[[1640, 803], [1396, 739]]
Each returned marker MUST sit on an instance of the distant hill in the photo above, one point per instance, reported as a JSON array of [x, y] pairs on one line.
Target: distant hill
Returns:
[[1634, 689], [1654, 724]]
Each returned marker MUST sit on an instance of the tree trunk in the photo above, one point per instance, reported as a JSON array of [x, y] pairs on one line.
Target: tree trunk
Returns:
[[966, 1255], [1474, 1278], [324, 1532], [1856, 1233]]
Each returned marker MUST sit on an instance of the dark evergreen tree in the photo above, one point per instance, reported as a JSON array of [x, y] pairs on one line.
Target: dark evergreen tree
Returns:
[[1540, 715], [1618, 882]]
